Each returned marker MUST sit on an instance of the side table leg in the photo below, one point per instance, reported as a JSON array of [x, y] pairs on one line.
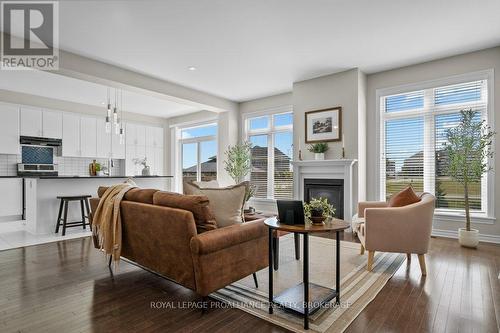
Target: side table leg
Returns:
[[306, 281], [337, 267], [270, 271]]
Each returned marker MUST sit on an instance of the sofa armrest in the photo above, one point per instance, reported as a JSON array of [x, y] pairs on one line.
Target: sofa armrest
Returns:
[[369, 204], [218, 239]]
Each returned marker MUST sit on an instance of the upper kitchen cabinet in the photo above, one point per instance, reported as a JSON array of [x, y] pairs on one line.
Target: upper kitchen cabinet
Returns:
[[88, 137], [154, 137], [52, 124], [31, 121], [41, 123], [71, 135], [9, 129], [141, 135], [130, 134]]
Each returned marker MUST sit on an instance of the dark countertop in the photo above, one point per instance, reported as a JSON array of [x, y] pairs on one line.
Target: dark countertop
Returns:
[[83, 177]]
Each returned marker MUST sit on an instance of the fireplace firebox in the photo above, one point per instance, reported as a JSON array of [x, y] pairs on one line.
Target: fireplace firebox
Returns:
[[332, 189]]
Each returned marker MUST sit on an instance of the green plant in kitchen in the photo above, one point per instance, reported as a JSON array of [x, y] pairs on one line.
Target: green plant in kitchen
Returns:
[[468, 148], [238, 165], [318, 148], [98, 167], [318, 207]]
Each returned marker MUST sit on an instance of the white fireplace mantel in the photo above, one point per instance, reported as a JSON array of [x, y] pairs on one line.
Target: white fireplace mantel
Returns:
[[326, 169]]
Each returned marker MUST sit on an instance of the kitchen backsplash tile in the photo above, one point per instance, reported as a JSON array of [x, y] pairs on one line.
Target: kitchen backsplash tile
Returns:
[[68, 166]]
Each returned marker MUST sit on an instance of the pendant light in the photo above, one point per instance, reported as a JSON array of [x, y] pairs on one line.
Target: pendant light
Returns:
[[122, 132], [115, 111], [108, 113]]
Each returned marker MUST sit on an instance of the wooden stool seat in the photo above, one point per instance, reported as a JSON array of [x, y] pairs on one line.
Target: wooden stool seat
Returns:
[[84, 206]]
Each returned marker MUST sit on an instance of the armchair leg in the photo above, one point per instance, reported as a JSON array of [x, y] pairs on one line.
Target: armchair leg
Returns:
[[421, 261], [408, 256], [362, 250], [255, 280], [371, 255]]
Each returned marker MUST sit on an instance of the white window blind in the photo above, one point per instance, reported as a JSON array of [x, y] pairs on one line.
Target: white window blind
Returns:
[[413, 131], [271, 135]]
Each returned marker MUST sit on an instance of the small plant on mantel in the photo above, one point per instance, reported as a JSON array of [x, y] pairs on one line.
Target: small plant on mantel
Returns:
[[468, 148], [319, 149]]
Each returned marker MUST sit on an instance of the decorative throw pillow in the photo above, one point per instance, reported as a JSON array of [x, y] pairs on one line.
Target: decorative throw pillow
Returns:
[[196, 204], [403, 198], [225, 202], [209, 184]]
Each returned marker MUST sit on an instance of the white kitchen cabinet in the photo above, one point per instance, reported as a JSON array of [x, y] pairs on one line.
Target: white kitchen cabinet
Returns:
[[131, 134], [52, 124], [117, 149], [88, 137], [158, 137], [130, 167], [31, 121], [103, 140], [154, 136], [9, 129], [11, 197], [154, 157], [71, 135], [141, 135]]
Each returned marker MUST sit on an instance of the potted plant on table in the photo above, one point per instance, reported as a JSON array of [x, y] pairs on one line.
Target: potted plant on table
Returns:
[[468, 147], [318, 210], [319, 150], [238, 165]]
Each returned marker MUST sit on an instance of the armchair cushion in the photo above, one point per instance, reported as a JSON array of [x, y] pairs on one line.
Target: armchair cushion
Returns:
[[404, 197]]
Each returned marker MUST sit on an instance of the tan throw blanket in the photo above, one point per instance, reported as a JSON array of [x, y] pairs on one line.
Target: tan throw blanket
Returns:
[[106, 222]]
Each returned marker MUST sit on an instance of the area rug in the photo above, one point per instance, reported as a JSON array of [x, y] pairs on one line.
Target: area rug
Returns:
[[358, 287]]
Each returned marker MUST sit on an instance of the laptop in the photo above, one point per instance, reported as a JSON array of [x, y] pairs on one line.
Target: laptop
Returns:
[[291, 211]]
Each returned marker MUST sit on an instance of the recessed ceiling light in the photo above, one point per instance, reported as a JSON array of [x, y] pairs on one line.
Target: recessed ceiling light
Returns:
[[191, 68]]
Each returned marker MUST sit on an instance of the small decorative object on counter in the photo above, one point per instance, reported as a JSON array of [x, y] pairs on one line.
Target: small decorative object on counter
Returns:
[[93, 168], [146, 171], [318, 210], [319, 150]]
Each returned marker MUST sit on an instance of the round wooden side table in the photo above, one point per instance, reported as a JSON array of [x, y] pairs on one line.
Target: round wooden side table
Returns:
[[297, 298]]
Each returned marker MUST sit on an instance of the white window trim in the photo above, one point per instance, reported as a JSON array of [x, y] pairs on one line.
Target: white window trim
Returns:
[[178, 128], [270, 131], [441, 214]]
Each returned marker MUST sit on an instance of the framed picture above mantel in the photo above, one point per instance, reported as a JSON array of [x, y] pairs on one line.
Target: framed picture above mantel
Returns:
[[324, 125]]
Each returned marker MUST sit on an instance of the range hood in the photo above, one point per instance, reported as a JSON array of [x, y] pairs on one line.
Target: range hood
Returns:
[[37, 141]]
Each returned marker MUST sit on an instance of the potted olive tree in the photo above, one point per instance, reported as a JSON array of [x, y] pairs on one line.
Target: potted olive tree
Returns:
[[238, 165], [468, 147], [319, 149]]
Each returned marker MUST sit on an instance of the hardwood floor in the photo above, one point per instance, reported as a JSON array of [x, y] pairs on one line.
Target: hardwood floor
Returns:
[[67, 287]]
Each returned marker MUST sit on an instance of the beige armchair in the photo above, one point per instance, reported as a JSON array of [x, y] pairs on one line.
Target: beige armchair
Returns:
[[396, 229]]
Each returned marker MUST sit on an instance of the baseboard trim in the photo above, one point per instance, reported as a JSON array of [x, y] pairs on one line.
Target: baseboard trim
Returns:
[[454, 234]]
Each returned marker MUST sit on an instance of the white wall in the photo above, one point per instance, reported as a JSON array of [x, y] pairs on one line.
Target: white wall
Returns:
[[466, 63]]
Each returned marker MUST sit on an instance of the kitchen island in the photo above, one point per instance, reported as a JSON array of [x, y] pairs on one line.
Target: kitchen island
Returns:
[[41, 205]]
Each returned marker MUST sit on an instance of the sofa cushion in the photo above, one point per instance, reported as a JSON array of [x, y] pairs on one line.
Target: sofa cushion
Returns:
[[143, 195], [196, 204], [404, 197], [225, 202]]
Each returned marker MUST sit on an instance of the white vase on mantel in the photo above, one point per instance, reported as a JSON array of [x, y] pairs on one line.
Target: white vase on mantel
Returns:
[[319, 156]]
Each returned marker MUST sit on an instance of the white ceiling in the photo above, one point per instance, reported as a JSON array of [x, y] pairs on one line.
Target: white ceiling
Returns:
[[247, 49], [64, 88]]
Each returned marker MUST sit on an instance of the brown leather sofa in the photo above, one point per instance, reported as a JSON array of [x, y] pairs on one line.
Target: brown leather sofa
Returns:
[[166, 241]]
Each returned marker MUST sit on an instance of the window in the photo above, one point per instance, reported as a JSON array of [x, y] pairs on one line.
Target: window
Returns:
[[198, 147], [413, 131], [271, 135]]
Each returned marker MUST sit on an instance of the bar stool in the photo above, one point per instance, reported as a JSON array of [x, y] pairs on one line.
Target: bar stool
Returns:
[[84, 201]]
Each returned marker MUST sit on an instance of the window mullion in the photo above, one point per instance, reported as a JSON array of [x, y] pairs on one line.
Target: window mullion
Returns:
[[270, 165], [429, 142]]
